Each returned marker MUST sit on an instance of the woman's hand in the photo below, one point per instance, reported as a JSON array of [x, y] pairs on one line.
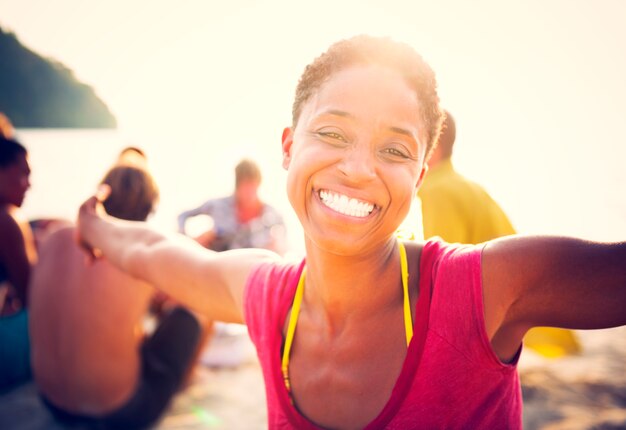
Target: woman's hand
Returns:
[[90, 211]]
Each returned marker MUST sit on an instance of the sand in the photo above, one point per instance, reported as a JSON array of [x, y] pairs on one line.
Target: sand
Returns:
[[581, 392], [586, 391]]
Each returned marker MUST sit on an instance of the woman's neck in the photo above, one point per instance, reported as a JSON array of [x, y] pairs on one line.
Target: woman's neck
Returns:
[[339, 288]]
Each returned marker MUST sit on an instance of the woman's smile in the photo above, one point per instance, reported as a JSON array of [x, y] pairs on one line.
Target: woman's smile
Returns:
[[346, 205]]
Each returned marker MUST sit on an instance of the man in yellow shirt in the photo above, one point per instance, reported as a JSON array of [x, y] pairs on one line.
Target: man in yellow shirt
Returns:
[[453, 207], [460, 210]]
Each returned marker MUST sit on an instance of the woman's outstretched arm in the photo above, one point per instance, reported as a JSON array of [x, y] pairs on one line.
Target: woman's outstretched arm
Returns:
[[209, 282], [533, 281]]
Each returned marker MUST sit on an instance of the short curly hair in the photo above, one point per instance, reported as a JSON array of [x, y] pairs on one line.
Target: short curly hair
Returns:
[[366, 50], [134, 193]]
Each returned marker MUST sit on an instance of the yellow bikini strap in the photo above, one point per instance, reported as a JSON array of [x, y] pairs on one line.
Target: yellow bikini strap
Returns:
[[291, 328], [408, 319], [297, 301]]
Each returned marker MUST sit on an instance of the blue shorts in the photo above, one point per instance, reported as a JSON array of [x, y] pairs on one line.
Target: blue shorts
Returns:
[[14, 350]]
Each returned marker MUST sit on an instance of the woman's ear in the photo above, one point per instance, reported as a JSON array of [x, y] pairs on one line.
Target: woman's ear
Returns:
[[287, 141], [421, 179]]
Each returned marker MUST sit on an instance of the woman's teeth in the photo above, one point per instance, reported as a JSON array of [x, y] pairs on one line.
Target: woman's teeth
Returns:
[[346, 205]]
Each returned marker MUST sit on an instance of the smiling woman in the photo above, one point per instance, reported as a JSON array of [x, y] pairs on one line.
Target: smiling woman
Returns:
[[375, 333], [374, 139]]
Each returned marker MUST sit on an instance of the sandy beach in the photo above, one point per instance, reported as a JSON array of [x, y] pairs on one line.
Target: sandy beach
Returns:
[[586, 391], [582, 392]]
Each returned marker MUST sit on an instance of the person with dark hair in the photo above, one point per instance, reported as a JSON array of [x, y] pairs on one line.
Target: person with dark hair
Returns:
[[92, 360], [369, 331], [17, 255], [453, 207], [241, 220], [459, 210]]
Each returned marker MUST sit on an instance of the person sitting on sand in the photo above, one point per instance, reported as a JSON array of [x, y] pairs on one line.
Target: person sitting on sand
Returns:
[[241, 220], [134, 156], [92, 362], [17, 255], [368, 331]]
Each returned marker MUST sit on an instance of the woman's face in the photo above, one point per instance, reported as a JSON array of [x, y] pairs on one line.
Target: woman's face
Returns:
[[355, 158], [14, 181]]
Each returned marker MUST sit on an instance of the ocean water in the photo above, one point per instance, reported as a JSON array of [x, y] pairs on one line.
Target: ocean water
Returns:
[[573, 198]]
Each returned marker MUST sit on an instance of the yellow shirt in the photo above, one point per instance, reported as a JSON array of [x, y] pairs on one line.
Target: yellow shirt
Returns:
[[459, 210]]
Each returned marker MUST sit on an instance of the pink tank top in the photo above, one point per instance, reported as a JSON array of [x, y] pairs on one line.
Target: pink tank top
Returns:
[[451, 378]]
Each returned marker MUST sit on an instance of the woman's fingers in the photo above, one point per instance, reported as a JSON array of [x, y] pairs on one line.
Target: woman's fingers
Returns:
[[92, 207]]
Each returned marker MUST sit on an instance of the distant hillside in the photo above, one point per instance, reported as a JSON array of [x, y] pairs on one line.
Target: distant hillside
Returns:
[[38, 92]]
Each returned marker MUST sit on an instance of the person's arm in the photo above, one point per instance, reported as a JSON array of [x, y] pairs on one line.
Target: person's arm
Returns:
[[206, 238], [17, 255], [551, 281], [204, 209], [211, 283]]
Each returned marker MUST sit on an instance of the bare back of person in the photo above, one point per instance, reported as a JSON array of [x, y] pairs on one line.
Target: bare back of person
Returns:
[[86, 328]]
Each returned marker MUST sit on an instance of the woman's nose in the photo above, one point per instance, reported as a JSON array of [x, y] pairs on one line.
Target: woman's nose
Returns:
[[359, 163]]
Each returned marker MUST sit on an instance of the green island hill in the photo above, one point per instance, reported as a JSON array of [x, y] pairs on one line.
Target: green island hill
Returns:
[[38, 92]]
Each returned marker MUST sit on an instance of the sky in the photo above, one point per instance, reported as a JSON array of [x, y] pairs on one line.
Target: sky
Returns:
[[537, 87]]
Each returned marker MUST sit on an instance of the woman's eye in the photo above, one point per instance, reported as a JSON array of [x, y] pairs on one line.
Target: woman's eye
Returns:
[[395, 152], [332, 135]]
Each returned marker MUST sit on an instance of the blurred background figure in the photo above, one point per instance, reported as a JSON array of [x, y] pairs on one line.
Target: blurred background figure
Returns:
[[241, 220], [43, 227], [93, 360], [133, 156], [453, 207], [6, 127], [17, 255], [461, 211]]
